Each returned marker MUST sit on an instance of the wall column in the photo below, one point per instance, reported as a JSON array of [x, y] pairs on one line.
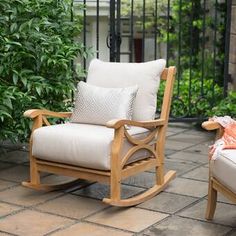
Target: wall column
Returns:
[[232, 55]]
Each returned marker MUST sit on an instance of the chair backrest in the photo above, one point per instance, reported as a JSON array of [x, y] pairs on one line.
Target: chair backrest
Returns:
[[117, 75]]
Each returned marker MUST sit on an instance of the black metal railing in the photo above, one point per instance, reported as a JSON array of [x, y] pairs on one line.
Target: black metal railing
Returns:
[[194, 35]]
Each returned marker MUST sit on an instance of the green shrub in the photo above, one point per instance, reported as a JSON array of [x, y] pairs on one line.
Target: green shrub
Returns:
[[36, 60], [225, 107], [187, 101]]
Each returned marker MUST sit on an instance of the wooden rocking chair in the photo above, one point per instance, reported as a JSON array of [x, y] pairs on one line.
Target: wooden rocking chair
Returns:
[[121, 164], [222, 172]]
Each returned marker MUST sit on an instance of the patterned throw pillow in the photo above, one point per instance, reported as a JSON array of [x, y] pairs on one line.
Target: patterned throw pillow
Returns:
[[98, 105]]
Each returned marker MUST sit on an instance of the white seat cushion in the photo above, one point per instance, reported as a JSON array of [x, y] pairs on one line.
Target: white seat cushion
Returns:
[[224, 168], [119, 75], [83, 145]]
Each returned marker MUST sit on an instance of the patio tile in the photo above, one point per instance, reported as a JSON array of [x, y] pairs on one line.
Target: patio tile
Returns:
[[72, 206], [54, 179], [6, 209], [189, 138], [10, 145], [145, 180], [179, 166], [90, 230], [6, 184], [132, 219], [4, 165], [17, 157], [201, 173], [176, 226], [167, 202], [181, 125], [202, 148], [99, 191], [176, 145], [232, 233], [201, 132], [222, 198], [176, 129], [188, 187], [26, 197], [225, 213], [5, 234], [30, 223], [190, 157], [169, 152], [168, 133], [3, 150], [17, 173]]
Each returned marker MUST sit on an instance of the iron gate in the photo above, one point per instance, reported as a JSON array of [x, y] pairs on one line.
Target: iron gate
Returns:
[[193, 35]]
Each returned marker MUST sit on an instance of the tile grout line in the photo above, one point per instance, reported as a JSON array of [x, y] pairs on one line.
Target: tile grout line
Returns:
[[230, 232], [5, 232], [191, 146], [84, 220], [205, 221]]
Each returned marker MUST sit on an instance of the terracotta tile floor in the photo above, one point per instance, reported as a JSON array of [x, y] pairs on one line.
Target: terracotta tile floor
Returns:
[[178, 211]]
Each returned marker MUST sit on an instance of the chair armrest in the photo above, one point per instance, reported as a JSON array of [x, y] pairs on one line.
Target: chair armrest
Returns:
[[211, 125], [116, 124], [36, 112]]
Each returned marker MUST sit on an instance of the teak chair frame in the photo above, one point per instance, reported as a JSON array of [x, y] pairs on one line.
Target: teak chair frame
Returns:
[[120, 168], [214, 184]]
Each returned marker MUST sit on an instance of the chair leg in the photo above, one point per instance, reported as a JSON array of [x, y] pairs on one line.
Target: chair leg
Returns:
[[115, 189], [160, 175], [148, 194], [36, 184], [211, 203], [34, 173]]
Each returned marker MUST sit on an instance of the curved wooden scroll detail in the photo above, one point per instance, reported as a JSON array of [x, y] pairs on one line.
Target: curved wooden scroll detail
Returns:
[[135, 149], [139, 144], [145, 140]]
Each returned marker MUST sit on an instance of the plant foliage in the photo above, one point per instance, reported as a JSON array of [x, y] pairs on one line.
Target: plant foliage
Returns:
[[36, 60], [226, 106]]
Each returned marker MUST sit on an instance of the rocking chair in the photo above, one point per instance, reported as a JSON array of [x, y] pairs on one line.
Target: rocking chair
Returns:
[[113, 152], [222, 172]]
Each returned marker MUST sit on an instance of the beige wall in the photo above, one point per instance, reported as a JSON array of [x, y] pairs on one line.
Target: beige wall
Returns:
[[232, 57]]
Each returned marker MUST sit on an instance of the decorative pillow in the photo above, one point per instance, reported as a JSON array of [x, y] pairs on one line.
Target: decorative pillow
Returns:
[[117, 75], [97, 105]]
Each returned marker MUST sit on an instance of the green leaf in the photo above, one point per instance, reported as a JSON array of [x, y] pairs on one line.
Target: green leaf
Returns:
[[38, 89], [13, 27], [24, 81], [15, 78], [7, 102]]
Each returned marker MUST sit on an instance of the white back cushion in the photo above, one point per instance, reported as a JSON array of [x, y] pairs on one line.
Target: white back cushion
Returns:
[[118, 75]]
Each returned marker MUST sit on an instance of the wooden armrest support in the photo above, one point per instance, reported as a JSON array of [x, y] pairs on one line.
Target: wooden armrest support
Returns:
[[115, 124], [211, 125], [36, 112]]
